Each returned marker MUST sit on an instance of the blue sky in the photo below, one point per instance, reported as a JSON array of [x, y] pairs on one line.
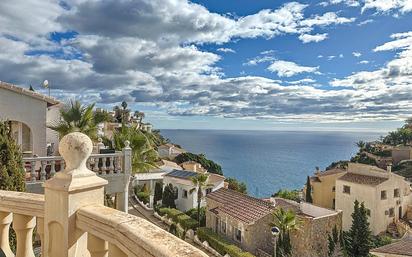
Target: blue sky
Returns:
[[288, 65]]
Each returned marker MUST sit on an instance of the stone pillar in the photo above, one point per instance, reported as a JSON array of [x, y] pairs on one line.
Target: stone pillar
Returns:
[[151, 197], [122, 199], [65, 193]]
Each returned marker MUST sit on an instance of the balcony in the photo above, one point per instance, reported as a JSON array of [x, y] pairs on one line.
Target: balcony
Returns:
[[71, 220]]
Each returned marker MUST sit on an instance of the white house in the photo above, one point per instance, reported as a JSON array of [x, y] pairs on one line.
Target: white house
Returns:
[[29, 113], [385, 195], [169, 151], [182, 182]]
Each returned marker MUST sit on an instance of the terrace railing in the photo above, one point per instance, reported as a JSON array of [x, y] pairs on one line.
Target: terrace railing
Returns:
[[72, 221]]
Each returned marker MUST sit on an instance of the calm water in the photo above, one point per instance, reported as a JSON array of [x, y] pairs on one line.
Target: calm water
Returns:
[[270, 160]]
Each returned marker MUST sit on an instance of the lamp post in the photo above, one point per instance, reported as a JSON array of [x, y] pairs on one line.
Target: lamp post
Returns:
[[46, 85], [275, 232]]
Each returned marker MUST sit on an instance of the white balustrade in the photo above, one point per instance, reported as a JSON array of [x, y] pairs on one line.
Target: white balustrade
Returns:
[[71, 218]]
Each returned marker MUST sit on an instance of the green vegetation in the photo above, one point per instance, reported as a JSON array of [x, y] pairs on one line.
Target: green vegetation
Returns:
[[378, 241], [142, 193], [200, 183], [403, 169], [209, 165], [363, 158], [193, 213], [158, 192], [287, 222], [144, 156], [169, 197], [358, 239], [235, 185], [76, 117], [220, 244], [12, 174], [185, 221], [338, 165], [308, 193], [335, 243], [402, 136], [288, 194]]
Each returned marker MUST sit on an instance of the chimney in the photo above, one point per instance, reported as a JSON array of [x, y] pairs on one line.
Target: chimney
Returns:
[[389, 168]]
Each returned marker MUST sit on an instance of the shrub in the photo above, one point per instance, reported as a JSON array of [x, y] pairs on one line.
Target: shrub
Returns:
[[186, 222], [220, 244], [143, 197], [193, 214]]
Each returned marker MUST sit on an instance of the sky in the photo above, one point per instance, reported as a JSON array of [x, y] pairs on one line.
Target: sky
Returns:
[[233, 64]]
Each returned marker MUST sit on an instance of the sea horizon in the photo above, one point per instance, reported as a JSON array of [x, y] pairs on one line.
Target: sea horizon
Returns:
[[270, 160]]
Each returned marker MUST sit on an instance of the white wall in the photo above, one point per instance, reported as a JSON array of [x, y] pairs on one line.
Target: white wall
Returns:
[[28, 110]]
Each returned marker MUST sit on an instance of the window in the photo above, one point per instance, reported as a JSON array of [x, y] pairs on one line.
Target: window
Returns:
[[184, 195], [333, 203], [391, 212], [333, 189], [383, 195], [396, 193], [208, 191], [238, 235], [223, 227], [346, 190]]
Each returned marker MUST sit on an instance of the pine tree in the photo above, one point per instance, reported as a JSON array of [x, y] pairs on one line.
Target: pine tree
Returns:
[[308, 191], [358, 239]]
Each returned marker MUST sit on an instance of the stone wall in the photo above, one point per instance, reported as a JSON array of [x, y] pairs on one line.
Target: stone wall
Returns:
[[311, 240]]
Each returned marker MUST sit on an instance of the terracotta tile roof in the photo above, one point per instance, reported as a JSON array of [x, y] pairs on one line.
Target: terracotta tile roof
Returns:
[[400, 248], [240, 206], [362, 179]]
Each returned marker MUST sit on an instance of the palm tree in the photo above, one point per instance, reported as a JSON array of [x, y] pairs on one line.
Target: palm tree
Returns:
[[200, 183], [76, 117], [361, 144], [287, 222], [144, 156]]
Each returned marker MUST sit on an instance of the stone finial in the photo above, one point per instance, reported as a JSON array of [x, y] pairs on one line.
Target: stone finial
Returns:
[[100, 140], [75, 149], [127, 143]]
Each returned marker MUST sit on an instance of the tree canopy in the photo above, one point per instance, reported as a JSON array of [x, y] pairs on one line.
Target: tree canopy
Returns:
[[209, 165]]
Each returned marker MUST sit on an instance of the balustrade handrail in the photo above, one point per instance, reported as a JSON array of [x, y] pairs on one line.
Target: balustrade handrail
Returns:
[[22, 203], [55, 158], [132, 235]]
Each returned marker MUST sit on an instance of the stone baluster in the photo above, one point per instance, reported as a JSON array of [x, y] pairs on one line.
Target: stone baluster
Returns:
[[65, 194], [88, 164], [96, 165], [5, 220], [40, 231], [62, 165], [24, 225], [122, 198], [52, 168], [111, 165], [97, 246], [43, 171], [118, 164], [33, 175], [115, 251], [104, 168]]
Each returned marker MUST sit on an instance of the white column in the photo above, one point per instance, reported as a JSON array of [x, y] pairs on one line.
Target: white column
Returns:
[[65, 193], [122, 202]]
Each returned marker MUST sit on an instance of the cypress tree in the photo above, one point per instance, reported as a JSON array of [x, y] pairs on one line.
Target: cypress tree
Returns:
[[358, 239], [308, 191], [158, 192], [169, 196]]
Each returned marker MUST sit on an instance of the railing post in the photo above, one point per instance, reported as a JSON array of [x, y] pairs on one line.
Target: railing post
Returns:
[[24, 225], [68, 191], [122, 202], [5, 220]]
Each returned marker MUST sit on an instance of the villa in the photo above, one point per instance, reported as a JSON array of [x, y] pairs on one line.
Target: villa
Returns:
[[245, 221], [401, 153], [169, 151], [29, 113], [323, 187], [385, 195], [182, 182]]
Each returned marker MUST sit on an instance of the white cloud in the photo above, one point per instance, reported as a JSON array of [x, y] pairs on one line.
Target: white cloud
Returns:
[[356, 54], [302, 81], [403, 6], [259, 59], [326, 19], [362, 23], [288, 69], [307, 38], [352, 3], [364, 62], [226, 50]]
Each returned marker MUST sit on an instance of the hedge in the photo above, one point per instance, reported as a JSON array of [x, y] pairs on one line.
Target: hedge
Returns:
[[179, 217], [143, 196], [220, 244]]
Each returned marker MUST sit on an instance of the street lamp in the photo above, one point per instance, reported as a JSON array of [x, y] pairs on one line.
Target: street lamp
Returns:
[[46, 85], [275, 233]]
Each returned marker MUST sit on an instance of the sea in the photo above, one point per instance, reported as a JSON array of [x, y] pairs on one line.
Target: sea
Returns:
[[270, 160]]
